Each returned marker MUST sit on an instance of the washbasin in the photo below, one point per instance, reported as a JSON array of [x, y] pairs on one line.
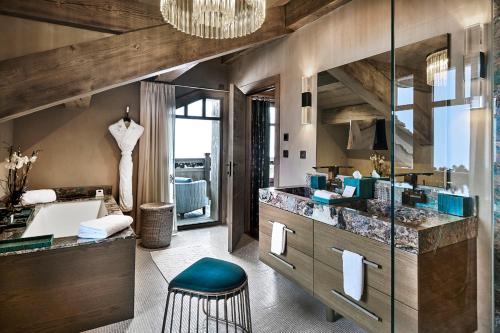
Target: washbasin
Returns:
[[301, 191]]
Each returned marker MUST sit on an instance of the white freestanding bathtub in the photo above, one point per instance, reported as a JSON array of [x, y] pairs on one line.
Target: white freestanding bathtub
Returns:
[[63, 219]]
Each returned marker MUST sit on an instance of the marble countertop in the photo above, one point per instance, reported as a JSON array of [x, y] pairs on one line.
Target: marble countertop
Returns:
[[64, 242], [417, 230]]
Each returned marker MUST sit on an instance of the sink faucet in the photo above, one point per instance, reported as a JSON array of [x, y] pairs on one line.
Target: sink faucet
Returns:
[[333, 172], [413, 196]]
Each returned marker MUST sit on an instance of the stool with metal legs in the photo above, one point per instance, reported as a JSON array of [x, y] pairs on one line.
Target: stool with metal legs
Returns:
[[210, 290]]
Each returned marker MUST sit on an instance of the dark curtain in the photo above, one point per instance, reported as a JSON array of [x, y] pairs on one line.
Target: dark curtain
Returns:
[[260, 158]]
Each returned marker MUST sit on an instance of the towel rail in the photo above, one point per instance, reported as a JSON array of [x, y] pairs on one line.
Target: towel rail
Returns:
[[286, 229], [367, 262], [355, 305], [281, 260]]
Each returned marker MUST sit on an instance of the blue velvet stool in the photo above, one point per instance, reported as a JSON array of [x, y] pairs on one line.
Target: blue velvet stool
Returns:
[[221, 287]]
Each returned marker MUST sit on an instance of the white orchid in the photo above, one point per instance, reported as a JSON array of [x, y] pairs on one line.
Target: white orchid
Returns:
[[19, 166]]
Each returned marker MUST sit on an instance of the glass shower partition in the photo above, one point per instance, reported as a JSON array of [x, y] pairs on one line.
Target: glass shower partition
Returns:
[[441, 166]]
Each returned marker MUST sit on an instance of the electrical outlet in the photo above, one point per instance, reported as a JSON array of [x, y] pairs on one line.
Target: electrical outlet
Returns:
[[99, 193], [285, 153], [303, 154], [285, 137]]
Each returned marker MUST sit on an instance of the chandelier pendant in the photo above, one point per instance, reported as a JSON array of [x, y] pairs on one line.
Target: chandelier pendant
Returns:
[[216, 19]]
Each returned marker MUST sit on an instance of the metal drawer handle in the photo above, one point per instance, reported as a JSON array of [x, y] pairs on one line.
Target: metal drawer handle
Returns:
[[356, 306], [281, 260], [367, 262], [286, 229]]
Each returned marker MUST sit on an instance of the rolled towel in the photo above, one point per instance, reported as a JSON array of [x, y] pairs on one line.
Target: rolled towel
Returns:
[[323, 194], [104, 227], [38, 196]]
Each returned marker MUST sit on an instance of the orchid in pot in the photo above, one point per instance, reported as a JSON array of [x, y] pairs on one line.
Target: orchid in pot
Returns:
[[18, 166]]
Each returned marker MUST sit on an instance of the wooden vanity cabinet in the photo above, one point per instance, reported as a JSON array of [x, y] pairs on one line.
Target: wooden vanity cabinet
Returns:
[[297, 261], [435, 291]]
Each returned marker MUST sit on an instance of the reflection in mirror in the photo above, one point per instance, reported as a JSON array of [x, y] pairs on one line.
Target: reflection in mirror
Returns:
[[353, 96]]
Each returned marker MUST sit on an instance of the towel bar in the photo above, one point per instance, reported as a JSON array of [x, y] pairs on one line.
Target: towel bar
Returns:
[[281, 260], [355, 305], [367, 262], [286, 229]]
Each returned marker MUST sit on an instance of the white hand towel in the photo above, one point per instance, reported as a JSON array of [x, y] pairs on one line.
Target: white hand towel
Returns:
[[375, 174], [278, 238], [323, 194], [38, 196], [357, 175], [353, 270], [104, 227]]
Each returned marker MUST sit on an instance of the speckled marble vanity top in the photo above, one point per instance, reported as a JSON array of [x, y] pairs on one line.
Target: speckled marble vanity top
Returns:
[[417, 230], [73, 194]]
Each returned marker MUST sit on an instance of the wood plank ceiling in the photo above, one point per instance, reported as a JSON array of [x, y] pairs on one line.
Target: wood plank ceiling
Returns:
[[142, 46]]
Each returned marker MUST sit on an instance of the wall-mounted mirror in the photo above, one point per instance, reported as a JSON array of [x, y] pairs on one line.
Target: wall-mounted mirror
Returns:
[[353, 102]]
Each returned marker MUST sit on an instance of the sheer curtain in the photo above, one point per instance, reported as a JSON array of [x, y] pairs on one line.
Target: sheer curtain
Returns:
[[156, 147]]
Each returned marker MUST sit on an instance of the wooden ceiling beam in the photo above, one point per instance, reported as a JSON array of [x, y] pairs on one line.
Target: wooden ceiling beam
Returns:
[[298, 13], [345, 114], [41, 80], [111, 16]]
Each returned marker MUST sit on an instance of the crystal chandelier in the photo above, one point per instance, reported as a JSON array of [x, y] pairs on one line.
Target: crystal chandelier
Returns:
[[437, 68], [218, 19]]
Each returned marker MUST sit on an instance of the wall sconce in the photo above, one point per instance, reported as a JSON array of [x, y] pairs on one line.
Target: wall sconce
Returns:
[[306, 101]]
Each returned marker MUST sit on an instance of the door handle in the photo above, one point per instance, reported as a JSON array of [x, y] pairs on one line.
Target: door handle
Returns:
[[229, 169]]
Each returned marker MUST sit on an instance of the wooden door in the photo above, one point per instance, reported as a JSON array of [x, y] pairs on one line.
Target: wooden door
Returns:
[[236, 167]]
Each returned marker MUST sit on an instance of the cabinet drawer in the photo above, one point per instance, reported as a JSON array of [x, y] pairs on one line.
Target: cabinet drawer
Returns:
[[293, 264], [301, 235], [373, 311], [329, 242]]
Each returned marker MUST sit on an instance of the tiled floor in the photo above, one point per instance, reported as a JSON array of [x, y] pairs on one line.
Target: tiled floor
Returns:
[[279, 306]]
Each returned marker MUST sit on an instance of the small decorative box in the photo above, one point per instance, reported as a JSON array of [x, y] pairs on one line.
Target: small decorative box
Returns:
[[318, 182], [455, 205], [364, 187], [27, 243]]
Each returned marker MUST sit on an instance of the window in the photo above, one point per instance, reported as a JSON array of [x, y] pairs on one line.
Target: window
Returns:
[[212, 107], [180, 111], [195, 109], [203, 108]]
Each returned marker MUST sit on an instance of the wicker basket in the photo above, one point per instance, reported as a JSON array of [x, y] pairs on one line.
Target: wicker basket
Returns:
[[156, 224]]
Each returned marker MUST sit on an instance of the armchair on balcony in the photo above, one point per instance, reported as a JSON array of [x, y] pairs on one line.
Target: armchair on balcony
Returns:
[[190, 196]]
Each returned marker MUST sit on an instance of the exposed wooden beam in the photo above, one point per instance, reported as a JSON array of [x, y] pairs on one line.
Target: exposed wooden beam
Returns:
[[276, 3], [174, 74], [367, 82], [299, 12], [346, 114], [112, 16], [79, 103], [38, 81]]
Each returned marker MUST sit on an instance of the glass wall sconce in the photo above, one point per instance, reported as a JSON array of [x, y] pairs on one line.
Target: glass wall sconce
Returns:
[[306, 101]]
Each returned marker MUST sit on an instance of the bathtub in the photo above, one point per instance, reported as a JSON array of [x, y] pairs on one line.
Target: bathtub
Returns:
[[63, 219]]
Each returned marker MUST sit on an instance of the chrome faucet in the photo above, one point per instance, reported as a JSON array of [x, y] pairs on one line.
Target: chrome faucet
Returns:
[[333, 171], [413, 196]]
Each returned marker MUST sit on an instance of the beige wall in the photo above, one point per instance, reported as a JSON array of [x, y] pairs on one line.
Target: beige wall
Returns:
[[77, 148], [359, 30], [6, 139]]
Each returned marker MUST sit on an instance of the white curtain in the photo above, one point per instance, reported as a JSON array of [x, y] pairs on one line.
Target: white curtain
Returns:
[[156, 146]]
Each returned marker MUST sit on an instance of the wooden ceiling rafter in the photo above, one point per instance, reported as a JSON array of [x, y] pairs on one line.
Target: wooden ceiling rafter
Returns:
[[41, 80]]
